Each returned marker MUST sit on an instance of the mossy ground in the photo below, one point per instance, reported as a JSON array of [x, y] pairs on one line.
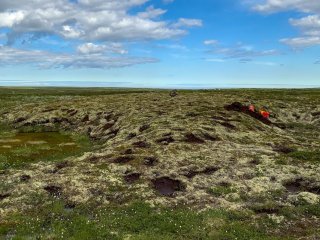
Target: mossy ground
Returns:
[[229, 176], [139, 221], [18, 148]]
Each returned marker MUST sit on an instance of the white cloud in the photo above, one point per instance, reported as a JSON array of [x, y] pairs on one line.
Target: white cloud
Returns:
[[241, 52], [184, 22], [90, 20], [210, 42], [9, 19], [111, 23], [310, 29], [178, 47], [91, 48], [309, 25], [311, 21], [152, 12], [42, 59], [285, 5], [219, 60], [301, 42], [243, 60]]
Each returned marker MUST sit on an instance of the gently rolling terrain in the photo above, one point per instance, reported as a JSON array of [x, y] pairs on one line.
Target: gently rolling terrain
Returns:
[[146, 164]]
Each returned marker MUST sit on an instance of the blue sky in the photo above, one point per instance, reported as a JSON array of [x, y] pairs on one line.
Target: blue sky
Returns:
[[160, 43]]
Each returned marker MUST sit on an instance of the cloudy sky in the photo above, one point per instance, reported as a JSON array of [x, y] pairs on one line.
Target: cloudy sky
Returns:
[[160, 43]]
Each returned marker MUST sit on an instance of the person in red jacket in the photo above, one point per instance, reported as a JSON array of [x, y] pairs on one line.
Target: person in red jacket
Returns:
[[264, 113]]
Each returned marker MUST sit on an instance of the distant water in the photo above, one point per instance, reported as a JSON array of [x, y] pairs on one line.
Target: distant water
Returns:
[[24, 83]]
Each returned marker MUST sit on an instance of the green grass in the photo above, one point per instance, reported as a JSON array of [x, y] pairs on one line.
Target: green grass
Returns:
[[303, 210], [6, 131], [138, 220], [299, 156], [306, 156], [221, 190], [21, 153], [63, 91]]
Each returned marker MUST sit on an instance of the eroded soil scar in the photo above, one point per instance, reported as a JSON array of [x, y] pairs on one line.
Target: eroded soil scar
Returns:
[[132, 177], [167, 186], [53, 190], [301, 185], [3, 196], [207, 171], [150, 161], [191, 138], [123, 159], [239, 107], [25, 178]]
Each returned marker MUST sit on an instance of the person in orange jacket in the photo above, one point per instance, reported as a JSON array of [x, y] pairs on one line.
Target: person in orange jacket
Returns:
[[264, 113]]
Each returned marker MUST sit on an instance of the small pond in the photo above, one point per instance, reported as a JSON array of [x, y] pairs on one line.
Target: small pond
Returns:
[[19, 149]]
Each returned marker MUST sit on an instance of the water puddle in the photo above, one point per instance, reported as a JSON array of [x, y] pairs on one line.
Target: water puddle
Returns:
[[167, 186], [21, 148]]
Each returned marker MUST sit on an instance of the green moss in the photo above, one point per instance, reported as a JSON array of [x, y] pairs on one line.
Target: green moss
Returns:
[[282, 160], [265, 207], [266, 202], [138, 220], [219, 191], [300, 211], [135, 107], [306, 156], [21, 149], [38, 129], [299, 156]]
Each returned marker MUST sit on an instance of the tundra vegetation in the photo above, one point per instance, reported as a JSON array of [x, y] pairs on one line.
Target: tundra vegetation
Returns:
[[150, 164]]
